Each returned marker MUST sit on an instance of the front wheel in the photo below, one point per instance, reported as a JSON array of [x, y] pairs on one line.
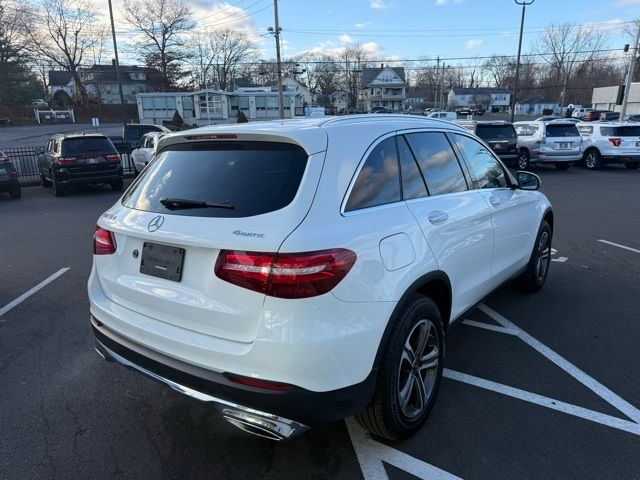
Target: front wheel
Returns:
[[523, 160], [410, 373], [632, 165], [533, 278], [592, 160]]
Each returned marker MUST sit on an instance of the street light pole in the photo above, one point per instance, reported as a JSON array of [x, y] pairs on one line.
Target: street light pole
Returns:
[[115, 51], [627, 85], [524, 4], [276, 34]]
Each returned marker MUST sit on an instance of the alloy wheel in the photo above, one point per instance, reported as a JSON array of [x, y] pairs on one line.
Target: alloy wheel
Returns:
[[543, 256], [592, 160], [523, 161], [418, 369]]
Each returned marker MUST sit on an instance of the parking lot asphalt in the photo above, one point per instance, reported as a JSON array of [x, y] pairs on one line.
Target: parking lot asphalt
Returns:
[[540, 386]]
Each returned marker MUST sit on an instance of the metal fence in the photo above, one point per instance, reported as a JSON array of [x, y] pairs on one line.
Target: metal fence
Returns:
[[26, 161]]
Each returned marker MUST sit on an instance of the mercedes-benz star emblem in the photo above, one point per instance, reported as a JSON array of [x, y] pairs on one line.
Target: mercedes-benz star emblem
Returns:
[[155, 223]]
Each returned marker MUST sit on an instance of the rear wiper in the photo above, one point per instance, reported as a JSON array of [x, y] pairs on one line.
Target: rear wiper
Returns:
[[180, 203]]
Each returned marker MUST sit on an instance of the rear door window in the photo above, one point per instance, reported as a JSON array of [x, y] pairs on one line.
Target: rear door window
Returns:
[[378, 182], [254, 177], [628, 131], [562, 130], [438, 162], [87, 146], [495, 132]]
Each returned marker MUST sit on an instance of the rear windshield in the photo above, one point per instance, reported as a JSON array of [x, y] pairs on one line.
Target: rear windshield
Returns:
[[87, 146], [562, 130], [254, 177], [628, 131], [495, 132]]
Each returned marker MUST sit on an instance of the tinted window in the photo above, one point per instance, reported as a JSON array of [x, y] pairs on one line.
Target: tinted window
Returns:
[[438, 162], [495, 132], [412, 182], [562, 130], [254, 177], [378, 182], [487, 172], [628, 131], [585, 129], [606, 131], [87, 145]]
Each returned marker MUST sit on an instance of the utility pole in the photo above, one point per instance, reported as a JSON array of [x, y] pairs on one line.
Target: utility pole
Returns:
[[524, 4], [632, 64], [276, 34], [115, 51], [435, 97]]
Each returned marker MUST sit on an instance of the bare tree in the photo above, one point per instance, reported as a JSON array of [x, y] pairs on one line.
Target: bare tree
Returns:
[[321, 73], [162, 25], [501, 70], [351, 60], [226, 50], [66, 36]]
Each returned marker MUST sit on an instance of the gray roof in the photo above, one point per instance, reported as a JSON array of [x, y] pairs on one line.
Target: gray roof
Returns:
[[536, 100], [479, 91], [370, 73], [59, 77]]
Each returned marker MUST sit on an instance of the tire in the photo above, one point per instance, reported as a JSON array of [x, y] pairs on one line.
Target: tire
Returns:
[[592, 160], [563, 167], [117, 185], [533, 278], [58, 190], [632, 165], [15, 192], [386, 416], [44, 182], [523, 162]]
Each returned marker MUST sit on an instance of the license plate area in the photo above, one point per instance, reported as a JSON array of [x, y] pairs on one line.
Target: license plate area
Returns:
[[563, 145], [162, 261]]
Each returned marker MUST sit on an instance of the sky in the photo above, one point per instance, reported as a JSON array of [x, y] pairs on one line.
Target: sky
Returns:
[[406, 29]]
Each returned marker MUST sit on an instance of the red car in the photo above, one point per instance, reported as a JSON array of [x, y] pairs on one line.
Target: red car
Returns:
[[593, 115]]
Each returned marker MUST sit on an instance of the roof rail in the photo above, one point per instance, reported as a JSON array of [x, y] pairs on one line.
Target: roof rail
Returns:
[[379, 117]]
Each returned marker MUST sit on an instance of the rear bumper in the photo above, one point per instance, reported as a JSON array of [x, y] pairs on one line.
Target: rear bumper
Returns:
[[281, 414], [10, 184], [88, 178], [620, 158], [553, 157]]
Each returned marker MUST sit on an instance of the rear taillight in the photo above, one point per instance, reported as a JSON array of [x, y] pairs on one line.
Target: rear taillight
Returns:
[[615, 141], [113, 158], [104, 243], [285, 275], [66, 161]]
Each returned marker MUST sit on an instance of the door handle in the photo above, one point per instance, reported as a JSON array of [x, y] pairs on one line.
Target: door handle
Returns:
[[438, 216], [495, 201]]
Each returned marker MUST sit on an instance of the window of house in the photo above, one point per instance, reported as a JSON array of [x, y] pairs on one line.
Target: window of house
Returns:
[[485, 169], [378, 181], [438, 162], [261, 103]]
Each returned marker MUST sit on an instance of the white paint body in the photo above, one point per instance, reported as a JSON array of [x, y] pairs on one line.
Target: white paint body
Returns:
[[146, 150], [329, 341]]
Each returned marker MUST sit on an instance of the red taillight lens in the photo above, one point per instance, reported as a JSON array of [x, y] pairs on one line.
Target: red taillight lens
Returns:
[[104, 243], [113, 158], [257, 383], [66, 161], [286, 275], [615, 141], [4, 158]]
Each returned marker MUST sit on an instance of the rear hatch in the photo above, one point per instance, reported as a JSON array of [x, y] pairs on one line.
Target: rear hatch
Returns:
[[501, 138], [563, 138], [257, 193], [629, 136], [89, 155]]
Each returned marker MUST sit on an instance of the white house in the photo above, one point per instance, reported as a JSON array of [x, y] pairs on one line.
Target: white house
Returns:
[[62, 86], [610, 98], [339, 101], [489, 97], [290, 84], [384, 87], [535, 106]]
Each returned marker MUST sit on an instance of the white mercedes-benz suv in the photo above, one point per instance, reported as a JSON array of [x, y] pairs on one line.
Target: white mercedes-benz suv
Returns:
[[295, 273]]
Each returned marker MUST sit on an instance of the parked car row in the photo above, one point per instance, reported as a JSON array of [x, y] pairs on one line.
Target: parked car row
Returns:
[[9, 176]]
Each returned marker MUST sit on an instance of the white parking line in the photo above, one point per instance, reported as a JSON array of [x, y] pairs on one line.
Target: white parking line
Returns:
[[591, 383], [620, 246], [541, 400], [371, 454], [31, 291], [488, 326]]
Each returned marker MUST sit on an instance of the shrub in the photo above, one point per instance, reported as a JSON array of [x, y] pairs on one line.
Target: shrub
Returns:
[[177, 119], [242, 118]]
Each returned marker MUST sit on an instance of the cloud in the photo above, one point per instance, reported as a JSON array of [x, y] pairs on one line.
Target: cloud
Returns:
[[441, 3], [362, 25], [378, 4], [473, 43], [344, 38]]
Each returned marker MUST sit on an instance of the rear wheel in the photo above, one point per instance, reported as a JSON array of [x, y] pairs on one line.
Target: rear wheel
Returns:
[[44, 182], [410, 373], [533, 278], [523, 160], [58, 189], [632, 165], [592, 160], [15, 192], [117, 185], [563, 166]]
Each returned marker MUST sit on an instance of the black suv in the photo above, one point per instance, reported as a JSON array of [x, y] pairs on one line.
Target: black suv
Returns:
[[9, 176], [79, 159], [500, 136]]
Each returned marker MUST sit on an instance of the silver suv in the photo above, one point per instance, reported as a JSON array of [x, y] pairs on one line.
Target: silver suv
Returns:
[[557, 142], [611, 142]]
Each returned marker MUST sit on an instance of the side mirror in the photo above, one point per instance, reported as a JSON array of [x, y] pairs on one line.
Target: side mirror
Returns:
[[528, 180]]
